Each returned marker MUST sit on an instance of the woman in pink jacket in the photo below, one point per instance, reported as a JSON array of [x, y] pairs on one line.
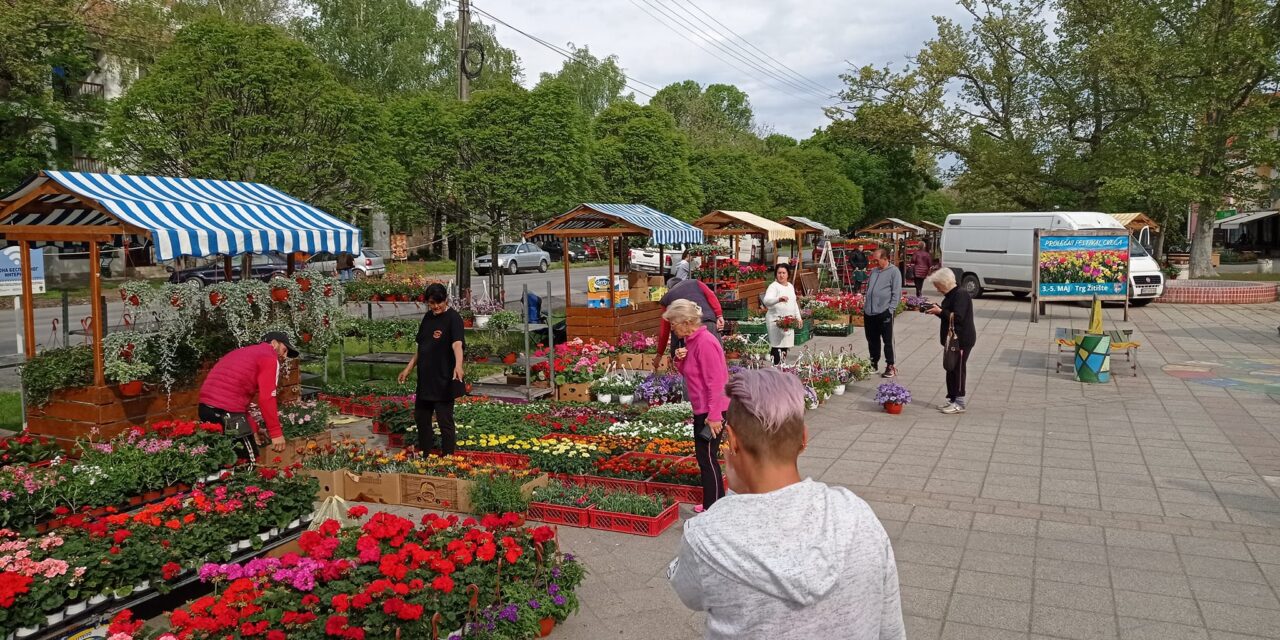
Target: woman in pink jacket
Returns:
[[701, 362]]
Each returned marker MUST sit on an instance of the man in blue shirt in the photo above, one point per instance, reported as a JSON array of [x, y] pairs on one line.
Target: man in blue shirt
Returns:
[[884, 290]]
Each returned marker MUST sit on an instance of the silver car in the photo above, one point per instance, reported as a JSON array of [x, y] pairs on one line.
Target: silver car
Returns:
[[367, 263], [512, 257]]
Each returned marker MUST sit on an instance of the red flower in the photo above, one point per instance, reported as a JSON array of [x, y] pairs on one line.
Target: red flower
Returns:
[[443, 583], [170, 570], [120, 536], [174, 524], [341, 602], [124, 623], [335, 625], [310, 600], [358, 511], [12, 585], [275, 634]]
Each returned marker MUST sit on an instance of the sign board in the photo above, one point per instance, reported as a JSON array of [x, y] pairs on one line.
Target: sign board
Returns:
[[1080, 265], [11, 271]]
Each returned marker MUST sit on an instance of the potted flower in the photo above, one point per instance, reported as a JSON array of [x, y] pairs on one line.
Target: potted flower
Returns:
[[484, 311], [788, 323], [625, 388], [892, 396], [1170, 270], [123, 363]]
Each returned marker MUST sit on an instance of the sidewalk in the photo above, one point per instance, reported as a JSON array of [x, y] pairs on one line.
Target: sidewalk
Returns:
[[1142, 509]]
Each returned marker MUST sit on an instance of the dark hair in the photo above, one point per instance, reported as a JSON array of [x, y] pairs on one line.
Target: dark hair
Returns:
[[782, 266], [436, 293]]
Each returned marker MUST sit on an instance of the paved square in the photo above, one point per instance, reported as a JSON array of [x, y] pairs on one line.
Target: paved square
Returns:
[[1141, 509]]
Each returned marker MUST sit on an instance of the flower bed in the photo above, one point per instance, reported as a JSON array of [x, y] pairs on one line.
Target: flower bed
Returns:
[[25, 448]]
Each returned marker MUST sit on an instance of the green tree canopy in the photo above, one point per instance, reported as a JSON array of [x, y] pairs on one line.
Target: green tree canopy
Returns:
[[425, 134], [720, 114], [834, 199], [240, 102], [597, 83], [642, 158], [730, 180], [787, 194]]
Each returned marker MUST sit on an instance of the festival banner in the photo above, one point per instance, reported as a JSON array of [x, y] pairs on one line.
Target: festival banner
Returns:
[[1079, 266]]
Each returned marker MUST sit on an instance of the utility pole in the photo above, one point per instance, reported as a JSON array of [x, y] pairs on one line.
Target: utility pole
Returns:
[[464, 94]]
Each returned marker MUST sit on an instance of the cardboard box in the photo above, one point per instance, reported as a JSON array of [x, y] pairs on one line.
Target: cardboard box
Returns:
[[380, 488], [601, 283], [435, 492], [294, 450], [600, 299], [330, 482], [657, 281], [574, 392]]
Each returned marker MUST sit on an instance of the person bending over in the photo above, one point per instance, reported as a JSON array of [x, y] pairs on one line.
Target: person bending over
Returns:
[[231, 386]]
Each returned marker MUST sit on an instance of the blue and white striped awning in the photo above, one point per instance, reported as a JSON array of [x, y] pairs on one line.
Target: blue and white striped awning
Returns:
[[663, 228], [186, 216]]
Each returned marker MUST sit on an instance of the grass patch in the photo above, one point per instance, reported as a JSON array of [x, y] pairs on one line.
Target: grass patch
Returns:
[[1249, 277], [10, 410]]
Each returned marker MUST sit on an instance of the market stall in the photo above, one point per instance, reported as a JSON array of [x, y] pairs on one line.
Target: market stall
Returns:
[[932, 236], [894, 234], [807, 227], [182, 217], [611, 310], [734, 225]]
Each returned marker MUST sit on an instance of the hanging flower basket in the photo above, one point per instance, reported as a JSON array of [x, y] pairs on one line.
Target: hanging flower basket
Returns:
[[175, 302], [304, 284], [328, 291], [216, 298], [135, 301], [131, 389], [280, 294]]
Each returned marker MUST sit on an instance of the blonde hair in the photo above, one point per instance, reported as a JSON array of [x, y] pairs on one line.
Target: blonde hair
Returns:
[[683, 312], [943, 279]]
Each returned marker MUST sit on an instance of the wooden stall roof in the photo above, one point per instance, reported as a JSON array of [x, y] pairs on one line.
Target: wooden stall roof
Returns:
[[891, 226], [806, 225], [931, 226], [1136, 221], [595, 220], [725, 223]]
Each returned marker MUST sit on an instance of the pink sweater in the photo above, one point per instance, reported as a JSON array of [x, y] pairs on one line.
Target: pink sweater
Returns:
[[705, 374], [240, 374]]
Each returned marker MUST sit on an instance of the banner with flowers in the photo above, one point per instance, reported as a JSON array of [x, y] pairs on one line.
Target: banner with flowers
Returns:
[[1082, 266]]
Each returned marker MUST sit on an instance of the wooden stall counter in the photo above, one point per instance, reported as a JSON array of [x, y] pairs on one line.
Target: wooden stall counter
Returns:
[[610, 324]]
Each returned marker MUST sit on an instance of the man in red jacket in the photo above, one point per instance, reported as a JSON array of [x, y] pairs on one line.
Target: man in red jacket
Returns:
[[231, 385]]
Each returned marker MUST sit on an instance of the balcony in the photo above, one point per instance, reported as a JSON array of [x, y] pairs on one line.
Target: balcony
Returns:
[[74, 90], [88, 165]]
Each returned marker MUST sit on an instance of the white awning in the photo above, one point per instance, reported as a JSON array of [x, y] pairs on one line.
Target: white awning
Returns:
[[1236, 221]]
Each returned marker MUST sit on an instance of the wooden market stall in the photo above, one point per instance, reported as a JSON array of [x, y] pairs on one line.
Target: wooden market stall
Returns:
[[895, 232], [607, 316], [1140, 226], [806, 227], [932, 236], [736, 224], [182, 217]]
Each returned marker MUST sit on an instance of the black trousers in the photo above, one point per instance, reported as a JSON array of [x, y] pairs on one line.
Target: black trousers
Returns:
[[707, 453], [443, 410], [246, 447], [879, 331], [956, 377], [920, 284]]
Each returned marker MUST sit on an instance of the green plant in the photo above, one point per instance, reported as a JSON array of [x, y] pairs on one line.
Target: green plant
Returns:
[[125, 357], [567, 495], [503, 321], [55, 369], [497, 493], [633, 503]]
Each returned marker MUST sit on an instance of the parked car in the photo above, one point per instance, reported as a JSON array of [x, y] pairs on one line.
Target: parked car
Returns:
[[577, 253], [513, 257], [368, 263], [265, 267], [593, 252], [646, 258]]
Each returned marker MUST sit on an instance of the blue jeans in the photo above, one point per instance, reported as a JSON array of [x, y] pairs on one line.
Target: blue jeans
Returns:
[[345, 275]]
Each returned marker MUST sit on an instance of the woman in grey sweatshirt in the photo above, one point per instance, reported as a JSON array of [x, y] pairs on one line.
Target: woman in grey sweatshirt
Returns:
[[780, 557]]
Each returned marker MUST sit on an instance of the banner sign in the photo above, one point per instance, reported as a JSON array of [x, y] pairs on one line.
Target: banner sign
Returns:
[[11, 271], [1080, 266]]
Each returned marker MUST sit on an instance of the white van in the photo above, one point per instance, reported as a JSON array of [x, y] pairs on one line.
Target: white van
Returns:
[[994, 251]]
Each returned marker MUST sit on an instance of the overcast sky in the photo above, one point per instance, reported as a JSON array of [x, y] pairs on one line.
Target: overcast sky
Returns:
[[812, 38]]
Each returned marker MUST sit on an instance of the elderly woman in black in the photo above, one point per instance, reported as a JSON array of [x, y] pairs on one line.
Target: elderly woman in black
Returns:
[[956, 313]]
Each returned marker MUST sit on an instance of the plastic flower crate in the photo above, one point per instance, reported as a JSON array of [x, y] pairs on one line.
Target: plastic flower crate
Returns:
[[635, 525], [753, 329], [513, 460], [611, 484], [735, 314], [557, 514]]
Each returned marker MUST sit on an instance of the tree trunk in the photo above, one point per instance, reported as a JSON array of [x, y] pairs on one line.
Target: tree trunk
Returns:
[[1158, 249], [1202, 243]]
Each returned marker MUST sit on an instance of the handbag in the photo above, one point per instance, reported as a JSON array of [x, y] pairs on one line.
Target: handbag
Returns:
[[236, 425], [951, 350]]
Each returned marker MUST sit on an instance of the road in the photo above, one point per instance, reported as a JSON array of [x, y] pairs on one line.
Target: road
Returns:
[[45, 335]]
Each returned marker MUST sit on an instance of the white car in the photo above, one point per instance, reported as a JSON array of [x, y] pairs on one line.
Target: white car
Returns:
[[512, 257], [367, 263], [646, 259]]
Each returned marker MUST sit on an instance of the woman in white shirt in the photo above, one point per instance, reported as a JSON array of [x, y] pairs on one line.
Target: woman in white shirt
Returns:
[[780, 300]]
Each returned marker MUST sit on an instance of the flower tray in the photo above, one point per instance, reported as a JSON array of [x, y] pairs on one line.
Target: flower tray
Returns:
[[635, 525], [513, 460], [687, 494], [735, 314], [611, 484], [556, 514], [752, 329], [840, 332], [378, 427]]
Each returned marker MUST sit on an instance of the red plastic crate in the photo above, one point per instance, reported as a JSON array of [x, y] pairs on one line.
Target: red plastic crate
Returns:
[[556, 514], [612, 484], [687, 494], [513, 460], [636, 525]]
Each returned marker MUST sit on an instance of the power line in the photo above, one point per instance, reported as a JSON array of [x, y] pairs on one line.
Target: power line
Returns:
[[681, 30], [563, 52], [781, 64], [726, 44]]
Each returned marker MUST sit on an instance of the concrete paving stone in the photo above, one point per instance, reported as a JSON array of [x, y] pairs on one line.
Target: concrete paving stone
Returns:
[[959, 475], [1141, 629], [959, 463], [1258, 518], [993, 585], [1083, 573], [890, 481], [1239, 619], [1131, 505], [1139, 539], [1070, 532], [1001, 542], [1144, 559], [1067, 499], [1187, 496], [1227, 635], [1157, 607], [1222, 569], [995, 523], [1268, 553], [1185, 484], [1068, 463], [1157, 582], [1212, 548], [1001, 563], [931, 533], [942, 517], [1069, 486], [927, 553], [1020, 492], [953, 487], [855, 452], [989, 612], [926, 603], [959, 631], [1205, 512], [926, 576], [1129, 479], [1249, 594], [1072, 551], [1073, 624], [1074, 596], [890, 510], [923, 628]]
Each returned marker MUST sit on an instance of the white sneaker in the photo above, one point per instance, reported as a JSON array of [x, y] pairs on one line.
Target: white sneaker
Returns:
[[954, 409], [945, 405]]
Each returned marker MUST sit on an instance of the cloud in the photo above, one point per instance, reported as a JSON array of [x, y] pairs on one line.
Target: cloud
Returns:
[[814, 39]]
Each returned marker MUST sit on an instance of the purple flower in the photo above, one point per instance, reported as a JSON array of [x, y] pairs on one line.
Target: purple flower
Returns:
[[558, 600], [553, 588], [510, 613], [533, 604], [555, 571]]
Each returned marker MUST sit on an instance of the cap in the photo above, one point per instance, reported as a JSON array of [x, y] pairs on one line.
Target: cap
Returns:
[[279, 336]]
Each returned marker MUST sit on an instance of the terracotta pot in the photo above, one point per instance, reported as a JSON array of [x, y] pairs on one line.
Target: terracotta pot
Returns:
[[894, 408], [510, 358], [306, 337], [131, 389], [151, 495], [133, 300], [328, 290], [135, 501], [468, 322], [545, 626], [215, 298], [279, 294], [304, 285]]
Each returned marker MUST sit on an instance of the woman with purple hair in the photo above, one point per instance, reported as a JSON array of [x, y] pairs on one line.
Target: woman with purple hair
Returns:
[[781, 556]]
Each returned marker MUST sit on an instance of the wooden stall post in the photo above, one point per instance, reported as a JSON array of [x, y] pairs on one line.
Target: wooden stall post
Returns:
[[612, 304], [227, 270], [291, 263], [95, 295], [28, 301]]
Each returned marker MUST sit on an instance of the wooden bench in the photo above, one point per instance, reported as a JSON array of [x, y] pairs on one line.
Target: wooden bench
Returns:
[[1121, 340]]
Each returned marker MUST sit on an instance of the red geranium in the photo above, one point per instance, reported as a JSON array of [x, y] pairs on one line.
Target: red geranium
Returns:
[[12, 585]]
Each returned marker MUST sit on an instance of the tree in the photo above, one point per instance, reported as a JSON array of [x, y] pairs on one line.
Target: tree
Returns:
[[238, 102], [890, 174], [276, 12], [786, 193], [642, 158], [730, 181], [44, 52], [425, 138], [597, 83], [719, 115], [835, 200]]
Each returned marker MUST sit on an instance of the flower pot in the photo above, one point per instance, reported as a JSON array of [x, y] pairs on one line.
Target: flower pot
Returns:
[[175, 302], [482, 321], [275, 531], [894, 408], [306, 337], [135, 501], [308, 516], [170, 491], [150, 496], [304, 285], [468, 323], [54, 618], [604, 397], [142, 586], [215, 298], [97, 600], [24, 632], [264, 536], [295, 523], [510, 358], [76, 609], [131, 389], [245, 544], [545, 626], [233, 548], [213, 477], [133, 300], [626, 398], [840, 389]]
